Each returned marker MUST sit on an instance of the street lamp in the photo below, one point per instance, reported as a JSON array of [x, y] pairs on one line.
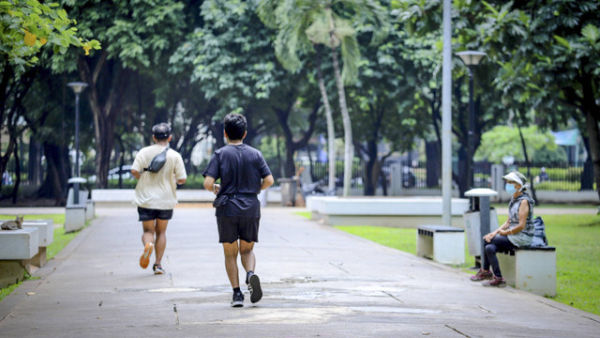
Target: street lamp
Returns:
[[471, 59], [77, 87]]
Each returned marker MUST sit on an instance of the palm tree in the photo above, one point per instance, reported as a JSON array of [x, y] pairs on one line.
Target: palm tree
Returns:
[[301, 24]]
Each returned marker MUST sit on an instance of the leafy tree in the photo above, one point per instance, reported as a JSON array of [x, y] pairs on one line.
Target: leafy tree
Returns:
[[29, 28], [548, 55], [304, 23], [137, 36], [505, 141], [232, 63], [386, 75], [423, 21]]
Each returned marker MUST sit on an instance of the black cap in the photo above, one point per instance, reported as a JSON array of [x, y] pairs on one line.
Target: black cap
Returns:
[[161, 131]]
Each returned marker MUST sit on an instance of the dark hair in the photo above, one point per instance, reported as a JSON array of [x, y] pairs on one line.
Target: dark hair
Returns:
[[235, 126], [161, 131]]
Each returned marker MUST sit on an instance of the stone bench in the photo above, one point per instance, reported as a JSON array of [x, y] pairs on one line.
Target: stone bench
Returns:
[[443, 244], [46, 237], [17, 248], [408, 212], [530, 268]]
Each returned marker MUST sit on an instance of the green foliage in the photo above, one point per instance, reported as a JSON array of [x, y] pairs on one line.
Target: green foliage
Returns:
[[231, 57], [28, 26], [505, 141], [136, 33], [304, 23]]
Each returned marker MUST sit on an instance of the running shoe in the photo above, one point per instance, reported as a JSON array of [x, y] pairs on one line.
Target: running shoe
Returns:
[[238, 299], [254, 288], [482, 275], [158, 270], [498, 282], [145, 258]]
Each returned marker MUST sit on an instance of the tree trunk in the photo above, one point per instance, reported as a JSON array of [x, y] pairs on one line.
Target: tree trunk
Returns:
[[104, 113], [594, 138], [432, 163], [372, 169], [587, 175], [528, 165], [348, 145], [57, 173], [15, 191], [330, 129], [281, 172], [34, 170]]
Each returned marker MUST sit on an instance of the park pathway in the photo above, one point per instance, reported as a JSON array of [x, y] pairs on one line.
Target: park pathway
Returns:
[[317, 281]]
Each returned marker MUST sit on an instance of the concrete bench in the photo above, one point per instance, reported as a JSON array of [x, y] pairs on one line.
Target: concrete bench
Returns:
[[383, 211], [17, 248], [441, 243], [75, 217], [530, 268], [46, 237]]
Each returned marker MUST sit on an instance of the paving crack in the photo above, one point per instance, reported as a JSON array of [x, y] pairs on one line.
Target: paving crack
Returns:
[[176, 316], [484, 309], [552, 306], [457, 331], [394, 297], [339, 266], [590, 318]]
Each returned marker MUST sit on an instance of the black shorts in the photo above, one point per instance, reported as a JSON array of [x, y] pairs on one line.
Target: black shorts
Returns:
[[152, 214], [232, 228]]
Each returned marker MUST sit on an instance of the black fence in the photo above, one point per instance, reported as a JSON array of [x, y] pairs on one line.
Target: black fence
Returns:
[[545, 176]]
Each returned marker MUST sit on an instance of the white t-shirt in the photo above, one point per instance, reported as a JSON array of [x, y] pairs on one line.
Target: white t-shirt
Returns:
[[157, 190]]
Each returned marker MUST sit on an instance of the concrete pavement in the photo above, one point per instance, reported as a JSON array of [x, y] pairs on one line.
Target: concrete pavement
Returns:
[[317, 281]]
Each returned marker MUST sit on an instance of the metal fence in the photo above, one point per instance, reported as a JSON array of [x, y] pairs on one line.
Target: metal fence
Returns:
[[545, 176]]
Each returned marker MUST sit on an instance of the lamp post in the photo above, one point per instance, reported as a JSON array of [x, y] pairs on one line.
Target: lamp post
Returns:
[[77, 87], [471, 59]]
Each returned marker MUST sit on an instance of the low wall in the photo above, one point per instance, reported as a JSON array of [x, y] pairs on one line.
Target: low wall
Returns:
[[124, 197], [384, 211]]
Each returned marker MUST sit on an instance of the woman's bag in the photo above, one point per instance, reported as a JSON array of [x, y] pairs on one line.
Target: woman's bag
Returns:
[[539, 233]]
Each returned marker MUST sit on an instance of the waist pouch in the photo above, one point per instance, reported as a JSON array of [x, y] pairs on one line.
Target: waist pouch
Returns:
[[223, 199], [220, 201]]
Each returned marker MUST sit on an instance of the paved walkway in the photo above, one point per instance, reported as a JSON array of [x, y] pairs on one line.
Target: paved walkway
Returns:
[[317, 281]]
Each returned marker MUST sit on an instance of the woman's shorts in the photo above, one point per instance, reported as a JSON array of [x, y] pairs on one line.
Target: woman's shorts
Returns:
[[232, 228], [152, 214]]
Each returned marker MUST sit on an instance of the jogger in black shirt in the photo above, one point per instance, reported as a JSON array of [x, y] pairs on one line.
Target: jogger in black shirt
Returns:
[[243, 173]]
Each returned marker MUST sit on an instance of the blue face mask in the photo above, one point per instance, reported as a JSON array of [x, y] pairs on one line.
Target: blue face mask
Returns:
[[510, 188]]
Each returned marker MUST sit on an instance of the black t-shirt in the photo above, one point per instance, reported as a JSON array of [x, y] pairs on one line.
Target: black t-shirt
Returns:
[[241, 169]]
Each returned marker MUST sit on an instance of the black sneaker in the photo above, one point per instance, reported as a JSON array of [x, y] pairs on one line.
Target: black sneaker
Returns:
[[254, 288], [238, 299]]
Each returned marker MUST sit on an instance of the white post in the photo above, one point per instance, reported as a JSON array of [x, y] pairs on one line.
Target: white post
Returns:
[[447, 116]]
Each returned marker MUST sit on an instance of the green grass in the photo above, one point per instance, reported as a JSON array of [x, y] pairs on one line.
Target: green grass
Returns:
[[57, 218], [305, 214], [398, 238], [577, 242], [61, 239]]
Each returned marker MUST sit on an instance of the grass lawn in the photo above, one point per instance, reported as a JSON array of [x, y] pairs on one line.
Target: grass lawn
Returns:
[[305, 214], [61, 239], [577, 242]]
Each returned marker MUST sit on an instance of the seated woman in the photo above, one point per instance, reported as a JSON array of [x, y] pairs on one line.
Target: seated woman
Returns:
[[517, 231]]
